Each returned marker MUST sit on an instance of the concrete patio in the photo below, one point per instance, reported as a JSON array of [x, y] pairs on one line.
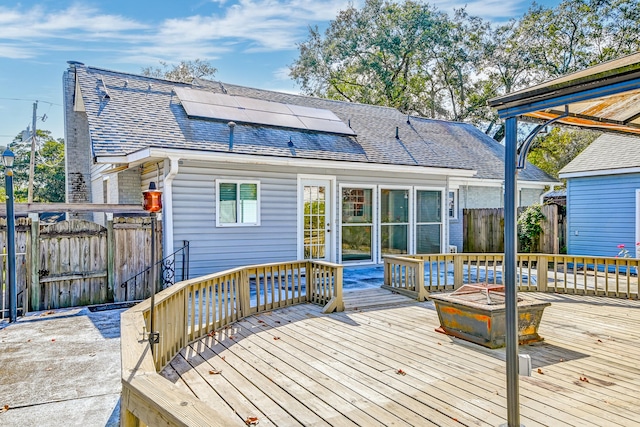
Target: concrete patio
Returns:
[[61, 368]]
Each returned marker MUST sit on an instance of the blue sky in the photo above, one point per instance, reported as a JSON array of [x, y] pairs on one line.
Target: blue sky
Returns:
[[250, 42]]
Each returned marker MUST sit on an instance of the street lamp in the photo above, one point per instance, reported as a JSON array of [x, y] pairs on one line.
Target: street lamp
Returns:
[[7, 160]]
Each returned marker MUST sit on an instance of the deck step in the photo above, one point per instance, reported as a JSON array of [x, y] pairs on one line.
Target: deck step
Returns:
[[374, 298]]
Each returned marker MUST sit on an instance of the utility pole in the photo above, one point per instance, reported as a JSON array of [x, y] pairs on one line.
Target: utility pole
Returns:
[[32, 159]]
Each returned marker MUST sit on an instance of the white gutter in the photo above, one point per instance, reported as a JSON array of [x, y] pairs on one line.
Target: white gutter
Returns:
[[489, 182], [145, 154], [167, 205]]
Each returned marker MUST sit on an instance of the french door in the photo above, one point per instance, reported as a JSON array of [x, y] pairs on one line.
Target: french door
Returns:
[[316, 219]]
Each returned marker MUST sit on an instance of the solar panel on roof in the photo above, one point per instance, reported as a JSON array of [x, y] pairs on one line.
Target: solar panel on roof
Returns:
[[203, 104]]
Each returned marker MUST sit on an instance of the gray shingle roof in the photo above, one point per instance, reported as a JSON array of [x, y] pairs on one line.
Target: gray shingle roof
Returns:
[[143, 112], [608, 151]]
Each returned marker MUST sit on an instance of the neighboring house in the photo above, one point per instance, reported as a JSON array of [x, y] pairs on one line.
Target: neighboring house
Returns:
[[603, 197], [252, 176]]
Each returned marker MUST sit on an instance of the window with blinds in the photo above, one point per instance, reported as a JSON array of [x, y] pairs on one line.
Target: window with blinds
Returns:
[[238, 203]]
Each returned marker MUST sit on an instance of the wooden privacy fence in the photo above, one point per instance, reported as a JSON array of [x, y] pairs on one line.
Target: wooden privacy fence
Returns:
[[188, 311], [483, 230], [417, 275], [76, 262]]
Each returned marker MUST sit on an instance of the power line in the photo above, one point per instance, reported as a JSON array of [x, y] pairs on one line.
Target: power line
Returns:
[[31, 100]]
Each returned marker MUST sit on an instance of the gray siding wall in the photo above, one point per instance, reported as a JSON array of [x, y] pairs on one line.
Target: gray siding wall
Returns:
[[601, 214], [530, 196], [455, 232], [476, 197], [217, 248]]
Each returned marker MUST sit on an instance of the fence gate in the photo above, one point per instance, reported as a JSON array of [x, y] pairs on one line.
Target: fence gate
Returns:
[[73, 264]]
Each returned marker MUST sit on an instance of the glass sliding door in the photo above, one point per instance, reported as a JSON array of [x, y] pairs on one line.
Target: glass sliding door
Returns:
[[428, 221], [394, 222], [357, 224]]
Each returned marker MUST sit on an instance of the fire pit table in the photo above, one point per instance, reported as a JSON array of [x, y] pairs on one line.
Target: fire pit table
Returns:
[[476, 313]]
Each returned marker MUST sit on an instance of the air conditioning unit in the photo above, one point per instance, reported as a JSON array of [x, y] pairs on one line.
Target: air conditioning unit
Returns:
[[453, 249]]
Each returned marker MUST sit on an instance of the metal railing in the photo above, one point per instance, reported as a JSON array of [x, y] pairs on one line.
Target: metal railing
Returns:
[[168, 267]]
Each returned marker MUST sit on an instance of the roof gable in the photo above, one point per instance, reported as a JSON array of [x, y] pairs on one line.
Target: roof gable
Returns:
[[609, 152]]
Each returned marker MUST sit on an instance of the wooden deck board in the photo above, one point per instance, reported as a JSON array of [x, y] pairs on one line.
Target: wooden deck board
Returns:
[[297, 366]]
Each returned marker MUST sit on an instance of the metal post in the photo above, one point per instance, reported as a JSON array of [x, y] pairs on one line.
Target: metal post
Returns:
[[11, 246], [153, 335], [509, 271]]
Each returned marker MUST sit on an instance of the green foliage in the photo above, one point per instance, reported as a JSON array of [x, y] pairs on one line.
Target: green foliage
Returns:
[[409, 55], [184, 72], [48, 180], [405, 55], [530, 228], [555, 150]]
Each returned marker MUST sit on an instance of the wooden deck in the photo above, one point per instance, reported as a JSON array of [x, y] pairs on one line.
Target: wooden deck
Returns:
[[374, 365]]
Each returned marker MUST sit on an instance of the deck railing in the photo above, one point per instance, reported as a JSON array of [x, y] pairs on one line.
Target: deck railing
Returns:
[[191, 309], [582, 275]]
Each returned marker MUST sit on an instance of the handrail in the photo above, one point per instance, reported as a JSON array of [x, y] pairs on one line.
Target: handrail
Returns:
[[189, 310], [575, 274], [167, 271]]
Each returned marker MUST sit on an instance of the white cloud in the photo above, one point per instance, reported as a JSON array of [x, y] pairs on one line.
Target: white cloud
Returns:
[[243, 26], [282, 74], [246, 26]]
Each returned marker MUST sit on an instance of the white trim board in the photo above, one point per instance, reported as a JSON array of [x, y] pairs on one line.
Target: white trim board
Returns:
[[144, 155]]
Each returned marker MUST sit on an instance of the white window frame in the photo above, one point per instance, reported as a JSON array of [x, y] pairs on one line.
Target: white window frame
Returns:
[[374, 226], [332, 212], [410, 224], [455, 203], [238, 182], [444, 212]]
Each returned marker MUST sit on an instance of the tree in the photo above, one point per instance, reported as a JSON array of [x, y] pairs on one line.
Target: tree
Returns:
[[410, 56], [184, 72], [555, 150], [375, 55], [48, 180], [577, 34]]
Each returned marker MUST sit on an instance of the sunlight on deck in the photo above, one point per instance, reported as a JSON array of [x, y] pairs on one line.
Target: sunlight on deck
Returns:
[[385, 365]]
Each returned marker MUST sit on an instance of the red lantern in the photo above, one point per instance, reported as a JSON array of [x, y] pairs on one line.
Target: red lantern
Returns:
[[152, 199]]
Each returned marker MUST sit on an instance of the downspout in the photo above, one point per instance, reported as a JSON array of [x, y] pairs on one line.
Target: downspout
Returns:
[[447, 221], [167, 206]]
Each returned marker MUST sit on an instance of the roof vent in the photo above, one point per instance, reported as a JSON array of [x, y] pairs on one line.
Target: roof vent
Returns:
[[231, 125], [397, 133]]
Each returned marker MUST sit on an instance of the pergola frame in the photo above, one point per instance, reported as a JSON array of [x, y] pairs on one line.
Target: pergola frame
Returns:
[[605, 97]]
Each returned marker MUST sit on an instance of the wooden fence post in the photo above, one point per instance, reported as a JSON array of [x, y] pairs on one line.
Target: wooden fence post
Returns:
[[34, 291], [110, 259]]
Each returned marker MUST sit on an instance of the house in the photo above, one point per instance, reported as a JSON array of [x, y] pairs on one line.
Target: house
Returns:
[[253, 176], [603, 197]]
